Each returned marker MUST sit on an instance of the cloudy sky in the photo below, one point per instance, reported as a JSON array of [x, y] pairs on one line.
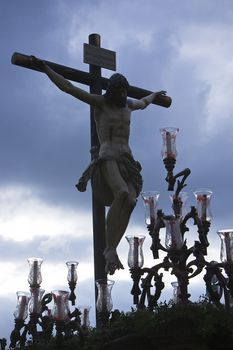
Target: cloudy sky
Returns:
[[182, 46]]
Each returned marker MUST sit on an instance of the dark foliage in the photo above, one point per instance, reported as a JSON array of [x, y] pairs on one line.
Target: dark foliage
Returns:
[[192, 326]]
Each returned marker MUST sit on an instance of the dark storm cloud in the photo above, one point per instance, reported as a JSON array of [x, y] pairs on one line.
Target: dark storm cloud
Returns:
[[42, 146], [41, 142], [45, 133]]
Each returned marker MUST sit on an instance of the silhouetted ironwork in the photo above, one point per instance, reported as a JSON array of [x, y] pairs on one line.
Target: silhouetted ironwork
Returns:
[[183, 262]]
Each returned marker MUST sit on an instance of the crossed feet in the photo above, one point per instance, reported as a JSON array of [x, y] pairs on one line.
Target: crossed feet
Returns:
[[112, 261]]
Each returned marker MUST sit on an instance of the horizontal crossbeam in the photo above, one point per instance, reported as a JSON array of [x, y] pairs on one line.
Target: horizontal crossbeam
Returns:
[[86, 78]]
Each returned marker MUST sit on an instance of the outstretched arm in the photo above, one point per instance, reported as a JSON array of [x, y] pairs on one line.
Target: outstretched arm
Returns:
[[145, 101], [66, 86]]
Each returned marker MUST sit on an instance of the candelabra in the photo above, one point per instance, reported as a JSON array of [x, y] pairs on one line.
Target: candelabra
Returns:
[[180, 260], [42, 320], [184, 262]]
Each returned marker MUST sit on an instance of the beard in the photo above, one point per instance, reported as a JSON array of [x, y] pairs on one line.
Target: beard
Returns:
[[115, 99], [120, 101]]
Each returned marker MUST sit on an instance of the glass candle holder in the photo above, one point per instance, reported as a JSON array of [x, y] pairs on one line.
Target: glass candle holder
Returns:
[[72, 275], [203, 197], [226, 252], [150, 200], [104, 300], [34, 277], [169, 142], [21, 312], [85, 310], [35, 305], [176, 292], [135, 255], [173, 238], [60, 311]]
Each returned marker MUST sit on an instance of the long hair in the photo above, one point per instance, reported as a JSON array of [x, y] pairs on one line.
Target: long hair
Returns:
[[117, 80]]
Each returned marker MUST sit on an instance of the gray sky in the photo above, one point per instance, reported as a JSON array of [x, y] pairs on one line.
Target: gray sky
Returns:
[[182, 46]]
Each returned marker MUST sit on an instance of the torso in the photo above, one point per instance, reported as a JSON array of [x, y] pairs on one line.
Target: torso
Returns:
[[113, 128]]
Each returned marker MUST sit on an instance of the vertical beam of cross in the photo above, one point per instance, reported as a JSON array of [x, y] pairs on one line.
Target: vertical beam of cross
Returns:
[[98, 209]]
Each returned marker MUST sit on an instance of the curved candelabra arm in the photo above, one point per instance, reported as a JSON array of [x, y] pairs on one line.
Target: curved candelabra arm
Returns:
[[47, 298], [199, 260], [203, 229], [18, 335], [171, 179], [161, 247], [32, 326], [228, 268], [154, 233], [178, 199], [215, 294], [180, 184], [159, 286], [146, 285], [169, 165], [75, 315], [47, 324], [23, 337], [158, 283], [136, 273], [191, 215], [75, 321]]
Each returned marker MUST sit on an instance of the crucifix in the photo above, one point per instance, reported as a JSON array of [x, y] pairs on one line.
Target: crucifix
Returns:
[[115, 175]]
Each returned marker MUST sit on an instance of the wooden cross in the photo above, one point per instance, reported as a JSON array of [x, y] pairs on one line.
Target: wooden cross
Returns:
[[97, 57]]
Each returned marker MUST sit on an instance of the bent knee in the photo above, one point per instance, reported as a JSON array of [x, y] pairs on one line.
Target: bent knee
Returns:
[[126, 198], [132, 202], [122, 195]]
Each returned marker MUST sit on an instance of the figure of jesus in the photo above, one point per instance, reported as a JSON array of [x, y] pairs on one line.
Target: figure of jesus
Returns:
[[114, 173]]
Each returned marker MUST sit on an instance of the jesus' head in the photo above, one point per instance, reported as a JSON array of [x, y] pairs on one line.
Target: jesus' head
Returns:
[[116, 93]]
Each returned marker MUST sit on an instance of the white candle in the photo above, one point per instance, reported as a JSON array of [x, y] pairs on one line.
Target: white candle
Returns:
[[105, 298], [35, 300], [228, 247], [85, 317], [72, 272], [59, 307], [203, 207], [35, 271], [135, 251], [22, 304], [169, 144], [177, 241], [152, 210]]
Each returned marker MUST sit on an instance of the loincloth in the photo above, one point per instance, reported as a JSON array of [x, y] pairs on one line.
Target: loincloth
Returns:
[[129, 170]]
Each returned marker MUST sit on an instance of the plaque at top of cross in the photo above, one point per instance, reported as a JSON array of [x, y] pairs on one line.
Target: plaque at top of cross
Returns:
[[114, 173]]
